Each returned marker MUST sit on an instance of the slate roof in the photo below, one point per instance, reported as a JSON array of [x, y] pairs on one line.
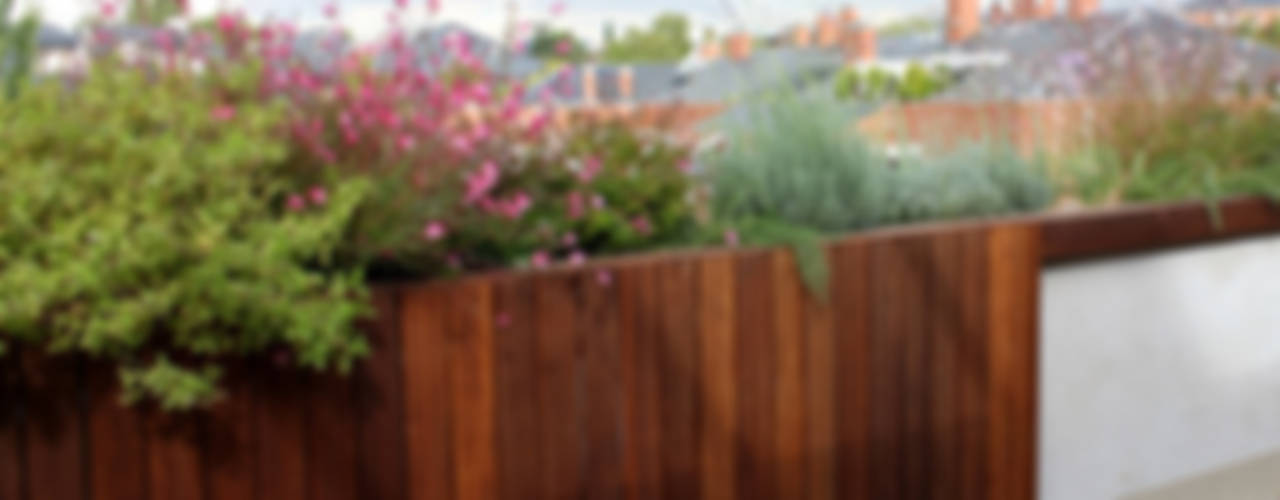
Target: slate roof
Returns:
[[723, 79], [55, 38], [1064, 58], [1229, 4]]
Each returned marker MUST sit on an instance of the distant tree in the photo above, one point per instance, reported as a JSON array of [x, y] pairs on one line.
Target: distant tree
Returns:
[[908, 25], [154, 11], [666, 39], [551, 43], [610, 33], [17, 48]]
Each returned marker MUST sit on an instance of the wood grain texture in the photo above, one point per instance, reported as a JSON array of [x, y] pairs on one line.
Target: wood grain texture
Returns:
[[13, 429], [600, 382], [1014, 275], [55, 442], [789, 400], [853, 366], [231, 442], [471, 386], [175, 463], [117, 443], [516, 390], [717, 377], [757, 371], [554, 302], [282, 416], [677, 352], [379, 404], [332, 439], [423, 314], [888, 369], [642, 308]]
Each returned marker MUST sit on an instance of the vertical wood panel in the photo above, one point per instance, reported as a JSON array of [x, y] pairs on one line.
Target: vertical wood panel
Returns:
[[948, 299], [518, 423], [887, 352], [678, 368], [789, 400], [916, 392], [231, 443], [554, 302], [12, 429], [851, 315], [470, 361], [717, 375], [281, 417], [1014, 287], [971, 373], [757, 370], [175, 467], [820, 396], [117, 443], [332, 438], [423, 316], [641, 306], [379, 404], [54, 440], [600, 381]]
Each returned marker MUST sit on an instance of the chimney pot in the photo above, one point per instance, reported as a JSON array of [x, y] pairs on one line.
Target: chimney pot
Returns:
[[710, 50], [801, 35], [860, 45], [1081, 9], [828, 30], [963, 20], [848, 16], [739, 46], [590, 94], [626, 84]]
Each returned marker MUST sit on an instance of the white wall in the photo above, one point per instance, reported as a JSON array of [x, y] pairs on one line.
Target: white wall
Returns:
[[1160, 368]]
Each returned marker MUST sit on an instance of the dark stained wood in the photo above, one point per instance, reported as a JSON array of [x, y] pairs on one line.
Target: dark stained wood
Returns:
[[55, 444], [972, 372], [821, 445], [423, 314], [554, 301], [117, 443], [12, 429], [282, 417], [641, 309], [518, 422], [677, 351], [789, 402], [1014, 274], [945, 329], [471, 386], [231, 442], [916, 273], [175, 467], [1152, 227], [757, 371], [888, 365], [600, 382], [332, 439], [379, 404], [717, 377], [851, 317]]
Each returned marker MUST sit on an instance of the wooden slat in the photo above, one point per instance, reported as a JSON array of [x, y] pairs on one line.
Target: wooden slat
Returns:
[[422, 315], [851, 317], [600, 380], [717, 376], [379, 404], [1152, 227], [757, 370], [516, 393], [175, 467], [471, 386], [230, 441], [12, 429], [332, 438], [641, 306], [789, 401], [55, 443], [916, 390], [117, 442], [971, 375], [1014, 274], [887, 352], [677, 351], [945, 328], [554, 302], [281, 419]]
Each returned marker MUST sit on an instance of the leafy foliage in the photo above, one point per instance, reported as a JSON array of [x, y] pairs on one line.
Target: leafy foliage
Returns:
[[17, 48], [666, 39], [157, 235], [554, 44], [916, 83]]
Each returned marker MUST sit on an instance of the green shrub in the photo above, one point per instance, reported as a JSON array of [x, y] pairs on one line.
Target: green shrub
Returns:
[[17, 48], [144, 222]]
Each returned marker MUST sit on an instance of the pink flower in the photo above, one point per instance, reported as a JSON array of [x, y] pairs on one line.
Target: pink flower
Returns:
[[107, 9], [577, 258], [406, 142], [434, 231], [331, 10], [590, 167], [482, 181], [515, 206], [557, 7], [539, 259], [402, 4], [461, 144], [569, 239], [597, 202], [604, 278], [574, 205], [296, 203], [641, 225], [731, 238], [433, 6], [222, 113], [685, 165], [318, 195], [563, 47]]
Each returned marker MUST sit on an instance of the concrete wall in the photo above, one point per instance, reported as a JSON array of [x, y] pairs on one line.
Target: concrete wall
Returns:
[[1160, 375]]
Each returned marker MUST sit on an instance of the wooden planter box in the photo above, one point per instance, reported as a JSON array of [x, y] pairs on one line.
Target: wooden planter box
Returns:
[[682, 375]]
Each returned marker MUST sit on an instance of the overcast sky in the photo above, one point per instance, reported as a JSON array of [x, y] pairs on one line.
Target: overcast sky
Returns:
[[586, 17]]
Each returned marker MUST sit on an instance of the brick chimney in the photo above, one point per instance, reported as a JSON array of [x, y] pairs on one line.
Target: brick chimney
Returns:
[[801, 35], [860, 44], [626, 84], [1034, 9], [963, 20], [997, 14], [1047, 9], [828, 30], [848, 16], [590, 92], [1081, 9], [739, 46]]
